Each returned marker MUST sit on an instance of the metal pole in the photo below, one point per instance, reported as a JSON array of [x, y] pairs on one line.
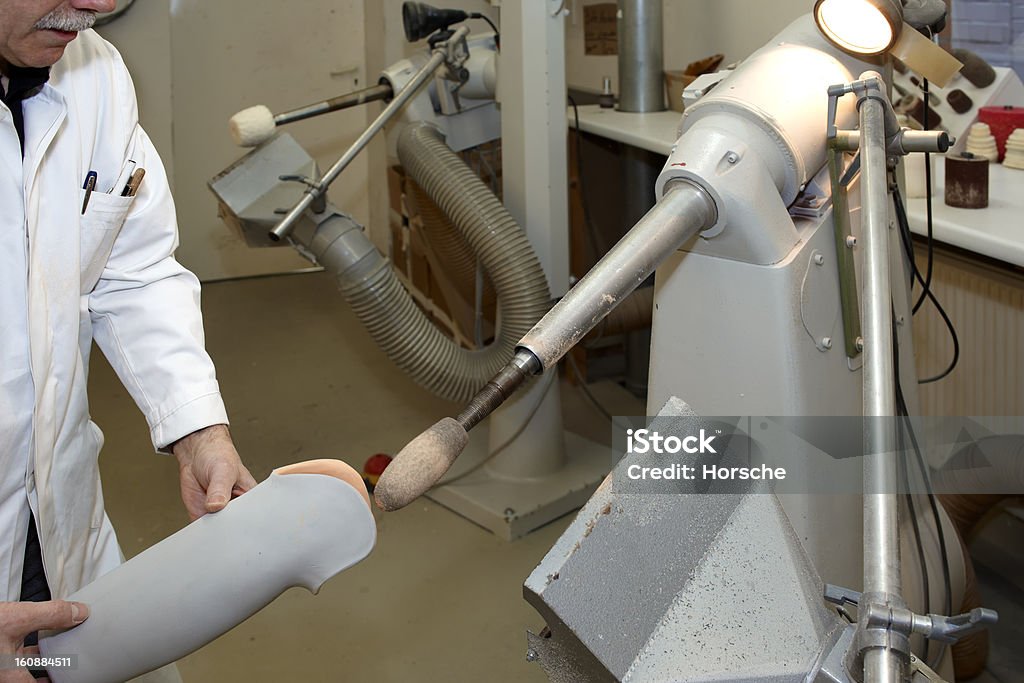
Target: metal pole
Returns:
[[881, 513], [682, 212], [641, 62], [287, 224], [352, 99]]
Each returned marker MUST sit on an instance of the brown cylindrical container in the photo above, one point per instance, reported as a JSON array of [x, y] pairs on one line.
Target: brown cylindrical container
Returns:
[[967, 181]]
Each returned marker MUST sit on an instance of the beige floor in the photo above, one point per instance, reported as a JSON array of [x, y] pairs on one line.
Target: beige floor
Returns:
[[440, 599]]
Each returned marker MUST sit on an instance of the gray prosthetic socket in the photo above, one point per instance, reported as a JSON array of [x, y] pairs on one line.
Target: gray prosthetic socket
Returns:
[[290, 530]]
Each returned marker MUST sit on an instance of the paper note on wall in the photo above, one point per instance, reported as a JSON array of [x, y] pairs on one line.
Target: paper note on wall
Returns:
[[601, 29]]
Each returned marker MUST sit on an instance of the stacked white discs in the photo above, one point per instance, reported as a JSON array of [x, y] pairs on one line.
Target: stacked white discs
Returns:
[[981, 142], [1015, 149]]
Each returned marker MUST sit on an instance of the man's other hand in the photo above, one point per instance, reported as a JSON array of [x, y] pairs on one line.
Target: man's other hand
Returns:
[[210, 470], [18, 619]]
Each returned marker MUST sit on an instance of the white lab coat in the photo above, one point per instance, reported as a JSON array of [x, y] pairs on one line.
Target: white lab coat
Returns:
[[67, 278]]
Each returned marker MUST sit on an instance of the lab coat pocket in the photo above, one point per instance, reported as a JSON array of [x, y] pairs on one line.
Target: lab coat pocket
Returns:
[[100, 225]]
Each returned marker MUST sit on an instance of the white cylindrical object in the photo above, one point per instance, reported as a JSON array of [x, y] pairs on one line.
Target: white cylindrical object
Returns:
[[170, 600], [253, 126], [483, 75], [790, 114]]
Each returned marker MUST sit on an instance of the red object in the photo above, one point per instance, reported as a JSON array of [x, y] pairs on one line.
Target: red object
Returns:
[[1002, 121], [374, 467]]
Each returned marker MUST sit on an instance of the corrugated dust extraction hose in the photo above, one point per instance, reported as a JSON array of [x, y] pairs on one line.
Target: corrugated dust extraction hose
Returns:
[[389, 313]]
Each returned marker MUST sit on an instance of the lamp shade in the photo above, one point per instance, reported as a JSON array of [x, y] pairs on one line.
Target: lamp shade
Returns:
[[860, 27]]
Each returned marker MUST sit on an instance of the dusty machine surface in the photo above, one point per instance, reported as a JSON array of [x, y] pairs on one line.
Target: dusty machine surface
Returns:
[[781, 289]]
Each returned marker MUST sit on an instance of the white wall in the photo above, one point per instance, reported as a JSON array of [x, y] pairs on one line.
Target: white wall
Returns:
[[693, 29], [231, 54]]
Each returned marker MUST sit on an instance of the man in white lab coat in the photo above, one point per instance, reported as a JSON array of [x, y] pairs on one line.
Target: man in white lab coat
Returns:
[[86, 252]]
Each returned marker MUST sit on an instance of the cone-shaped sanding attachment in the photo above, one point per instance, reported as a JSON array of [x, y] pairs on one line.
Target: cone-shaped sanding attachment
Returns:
[[420, 465]]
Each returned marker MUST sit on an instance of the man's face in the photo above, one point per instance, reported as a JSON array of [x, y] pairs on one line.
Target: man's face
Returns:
[[35, 32]]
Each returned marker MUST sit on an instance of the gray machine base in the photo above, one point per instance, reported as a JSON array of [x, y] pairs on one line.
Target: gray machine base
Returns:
[[512, 508], [682, 587]]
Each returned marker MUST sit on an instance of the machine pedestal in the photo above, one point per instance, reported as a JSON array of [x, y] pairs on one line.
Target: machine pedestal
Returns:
[[540, 471], [512, 508]]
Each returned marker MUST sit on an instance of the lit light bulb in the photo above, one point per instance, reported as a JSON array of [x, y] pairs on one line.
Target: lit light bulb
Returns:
[[855, 25]]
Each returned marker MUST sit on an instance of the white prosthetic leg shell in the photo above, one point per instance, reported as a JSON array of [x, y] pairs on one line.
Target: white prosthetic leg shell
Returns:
[[182, 593]]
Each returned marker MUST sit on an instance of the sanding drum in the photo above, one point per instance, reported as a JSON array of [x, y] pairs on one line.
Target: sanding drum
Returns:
[[967, 181]]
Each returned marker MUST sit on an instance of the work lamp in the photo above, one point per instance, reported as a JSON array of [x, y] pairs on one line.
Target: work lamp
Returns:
[[870, 28]]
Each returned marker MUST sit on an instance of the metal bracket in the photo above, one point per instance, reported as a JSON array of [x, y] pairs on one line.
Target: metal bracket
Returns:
[[845, 244], [935, 627], [314, 187], [456, 54]]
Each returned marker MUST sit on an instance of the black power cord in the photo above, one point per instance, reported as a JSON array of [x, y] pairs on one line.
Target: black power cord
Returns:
[[903, 422], [497, 34], [908, 248], [926, 284]]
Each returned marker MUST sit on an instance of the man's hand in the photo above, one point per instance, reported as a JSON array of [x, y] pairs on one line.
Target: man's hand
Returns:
[[210, 470], [18, 619]]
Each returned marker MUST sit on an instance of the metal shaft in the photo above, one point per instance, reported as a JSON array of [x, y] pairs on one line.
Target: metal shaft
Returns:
[[287, 224], [881, 513], [352, 99], [683, 211], [641, 67]]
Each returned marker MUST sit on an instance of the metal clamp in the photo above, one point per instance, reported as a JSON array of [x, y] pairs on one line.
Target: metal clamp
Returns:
[[315, 187], [935, 627]]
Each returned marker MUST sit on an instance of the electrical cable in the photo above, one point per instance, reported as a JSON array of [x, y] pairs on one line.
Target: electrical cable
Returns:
[[907, 497], [105, 19], [591, 232], [927, 283], [902, 411], [908, 247], [589, 394], [497, 34]]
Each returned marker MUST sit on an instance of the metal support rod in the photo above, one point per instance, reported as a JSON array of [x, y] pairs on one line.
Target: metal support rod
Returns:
[[287, 224], [881, 512], [641, 67], [682, 212], [352, 99], [901, 142]]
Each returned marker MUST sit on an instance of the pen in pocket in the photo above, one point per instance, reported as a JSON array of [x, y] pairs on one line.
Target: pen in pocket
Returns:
[[90, 184], [132, 186], [122, 179]]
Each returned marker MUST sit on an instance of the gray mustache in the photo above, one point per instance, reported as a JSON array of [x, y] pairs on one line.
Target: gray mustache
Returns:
[[66, 19]]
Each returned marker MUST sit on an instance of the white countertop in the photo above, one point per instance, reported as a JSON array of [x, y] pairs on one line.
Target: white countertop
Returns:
[[996, 232], [655, 132]]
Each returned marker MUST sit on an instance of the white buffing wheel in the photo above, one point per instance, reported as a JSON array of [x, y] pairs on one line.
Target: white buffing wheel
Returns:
[[252, 126]]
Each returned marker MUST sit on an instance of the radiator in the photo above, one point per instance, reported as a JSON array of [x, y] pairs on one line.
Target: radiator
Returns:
[[985, 301]]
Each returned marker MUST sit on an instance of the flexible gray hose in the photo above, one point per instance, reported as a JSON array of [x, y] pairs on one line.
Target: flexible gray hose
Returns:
[[487, 227], [387, 310]]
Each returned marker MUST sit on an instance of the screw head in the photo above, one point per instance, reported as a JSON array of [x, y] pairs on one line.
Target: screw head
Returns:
[[851, 241], [509, 512], [819, 259], [826, 342], [859, 343], [732, 157]]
